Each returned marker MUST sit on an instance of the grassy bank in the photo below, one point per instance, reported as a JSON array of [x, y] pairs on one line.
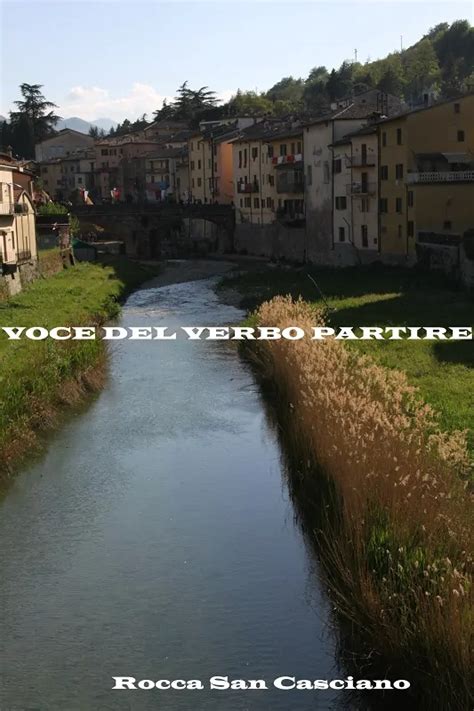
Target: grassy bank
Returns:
[[37, 378], [443, 372], [384, 490]]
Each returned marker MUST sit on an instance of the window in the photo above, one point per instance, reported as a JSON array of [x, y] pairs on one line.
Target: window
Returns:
[[283, 149], [248, 202], [256, 202], [199, 165], [399, 136], [383, 205], [460, 136], [255, 152], [337, 165], [241, 202], [457, 108], [192, 146], [309, 174], [400, 231], [271, 180], [342, 234], [270, 151], [398, 205], [447, 225], [411, 228], [104, 152], [384, 138], [410, 198], [199, 182], [364, 205], [79, 180], [240, 159], [341, 203], [245, 157], [298, 147], [384, 172], [399, 171], [364, 234], [192, 165], [326, 174], [44, 169], [269, 202]]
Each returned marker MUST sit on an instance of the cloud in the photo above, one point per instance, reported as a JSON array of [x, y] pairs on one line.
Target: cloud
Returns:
[[92, 102]]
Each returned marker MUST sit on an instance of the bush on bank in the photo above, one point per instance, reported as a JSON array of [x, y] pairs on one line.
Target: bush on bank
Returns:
[[397, 531], [38, 377]]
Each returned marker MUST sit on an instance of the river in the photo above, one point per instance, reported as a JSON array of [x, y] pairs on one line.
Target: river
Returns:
[[156, 538]]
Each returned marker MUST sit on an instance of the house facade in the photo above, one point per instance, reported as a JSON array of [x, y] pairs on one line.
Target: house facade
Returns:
[[427, 178], [62, 144], [18, 247]]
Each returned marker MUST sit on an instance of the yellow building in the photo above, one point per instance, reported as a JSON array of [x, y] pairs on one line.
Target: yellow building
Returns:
[[210, 164], [426, 177]]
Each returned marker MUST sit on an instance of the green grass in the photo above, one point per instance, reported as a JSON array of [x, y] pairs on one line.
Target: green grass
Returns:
[[443, 372], [33, 372]]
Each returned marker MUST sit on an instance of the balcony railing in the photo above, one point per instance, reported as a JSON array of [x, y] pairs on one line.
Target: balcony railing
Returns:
[[290, 186], [450, 176], [359, 161], [360, 189], [7, 208], [252, 187]]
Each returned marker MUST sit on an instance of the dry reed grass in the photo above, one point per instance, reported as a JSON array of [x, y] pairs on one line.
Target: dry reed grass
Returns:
[[398, 553]]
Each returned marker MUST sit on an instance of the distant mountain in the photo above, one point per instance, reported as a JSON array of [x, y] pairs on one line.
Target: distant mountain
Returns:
[[2, 119], [78, 124]]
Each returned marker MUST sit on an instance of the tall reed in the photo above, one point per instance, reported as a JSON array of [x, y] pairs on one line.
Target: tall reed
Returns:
[[397, 550]]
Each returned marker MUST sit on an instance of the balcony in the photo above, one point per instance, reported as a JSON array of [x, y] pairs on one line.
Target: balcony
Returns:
[[290, 186], [246, 188], [7, 208], [360, 161], [360, 189], [449, 176]]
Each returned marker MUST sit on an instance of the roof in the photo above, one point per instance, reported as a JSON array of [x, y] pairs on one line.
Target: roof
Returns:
[[268, 131], [419, 109], [165, 152], [64, 131], [371, 103]]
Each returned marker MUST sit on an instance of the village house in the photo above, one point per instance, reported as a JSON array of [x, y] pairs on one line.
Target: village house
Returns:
[[211, 177], [268, 173], [18, 247], [320, 136], [62, 176], [427, 181], [355, 202], [62, 144]]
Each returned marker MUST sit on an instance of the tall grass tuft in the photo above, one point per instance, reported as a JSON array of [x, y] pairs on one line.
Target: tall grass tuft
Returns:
[[398, 549]]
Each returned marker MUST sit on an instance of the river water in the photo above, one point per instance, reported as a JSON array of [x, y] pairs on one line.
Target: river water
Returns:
[[156, 538]]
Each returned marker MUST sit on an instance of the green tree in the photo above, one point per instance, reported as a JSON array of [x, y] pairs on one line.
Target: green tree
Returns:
[[422, 70], [33, 121], [249, 103], [287, 89]]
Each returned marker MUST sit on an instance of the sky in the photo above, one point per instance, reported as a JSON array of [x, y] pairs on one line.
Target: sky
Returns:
[[120, 59]]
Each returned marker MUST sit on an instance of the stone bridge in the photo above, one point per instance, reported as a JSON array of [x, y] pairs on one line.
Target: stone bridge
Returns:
[[153, 231]]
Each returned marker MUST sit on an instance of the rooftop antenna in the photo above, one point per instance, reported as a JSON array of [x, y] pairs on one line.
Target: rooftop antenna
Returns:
[[401, 43], [355, 55]]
